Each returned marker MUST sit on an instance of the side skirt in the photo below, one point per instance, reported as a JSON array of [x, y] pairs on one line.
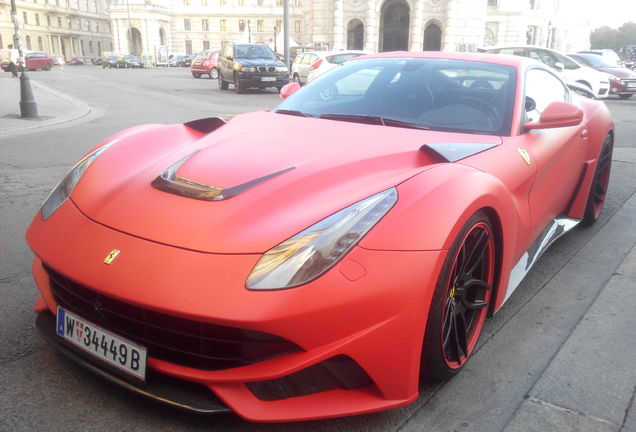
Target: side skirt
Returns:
[[556, 229]]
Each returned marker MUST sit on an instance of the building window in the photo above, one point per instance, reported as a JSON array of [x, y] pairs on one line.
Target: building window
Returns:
[[204, 2], [25, 19], [37, 19], [82, 47], [223, 25], [279, 25], [298, 26], [298, 2], [99, 48], [69, 23], [260, 26], [186, 24], [492, 3], [204, 25], [188, 47], [1, 45], [241, 25], [186, 2], [241, 2], [28, 41], [40, 45], [90, 47], [279, 2], [206, 45], [59, 21], [48, 21], [260, 2]]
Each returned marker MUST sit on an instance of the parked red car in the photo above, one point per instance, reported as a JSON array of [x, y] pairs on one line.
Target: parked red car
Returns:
[[622, 80], [38, 60], [205, 64]]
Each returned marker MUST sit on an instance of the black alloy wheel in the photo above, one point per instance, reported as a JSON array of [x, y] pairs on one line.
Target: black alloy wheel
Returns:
[[600, 183], [460, 301]]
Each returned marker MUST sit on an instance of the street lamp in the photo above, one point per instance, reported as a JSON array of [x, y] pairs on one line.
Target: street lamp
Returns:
[[28, 108], [249, 32], [275, 30]]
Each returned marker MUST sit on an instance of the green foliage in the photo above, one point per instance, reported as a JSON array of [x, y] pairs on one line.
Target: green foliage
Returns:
[[616, 39]]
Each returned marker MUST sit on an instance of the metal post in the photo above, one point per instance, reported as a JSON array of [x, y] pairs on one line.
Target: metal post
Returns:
[[275, 29], [286, 32], [129, 32], [28, 107], [249, 32]]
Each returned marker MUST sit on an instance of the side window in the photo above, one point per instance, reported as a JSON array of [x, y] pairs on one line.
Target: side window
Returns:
[[569, 64], [542, 88], [513, 51]]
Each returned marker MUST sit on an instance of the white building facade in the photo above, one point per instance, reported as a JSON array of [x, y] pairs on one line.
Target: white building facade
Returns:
[[66, 28], [77, 27]]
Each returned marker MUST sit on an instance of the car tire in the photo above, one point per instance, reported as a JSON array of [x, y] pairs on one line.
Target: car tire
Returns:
[[222, 83], [214, 73], [600, 182], [625, 96], [463, 292], [196, 75], [237, 86], [47, 67]]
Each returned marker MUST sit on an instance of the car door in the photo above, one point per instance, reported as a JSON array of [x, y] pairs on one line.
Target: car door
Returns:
[[558, 153], [225, 62]]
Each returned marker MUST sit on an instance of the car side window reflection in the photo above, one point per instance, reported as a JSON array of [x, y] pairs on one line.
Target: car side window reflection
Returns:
[[542, 88]]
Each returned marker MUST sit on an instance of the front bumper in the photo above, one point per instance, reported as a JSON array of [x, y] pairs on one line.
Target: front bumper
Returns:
[[371, 308], [263, 80], [623, 87]]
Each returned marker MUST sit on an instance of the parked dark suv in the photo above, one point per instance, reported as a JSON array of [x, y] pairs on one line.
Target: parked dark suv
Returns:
[[250, 66]]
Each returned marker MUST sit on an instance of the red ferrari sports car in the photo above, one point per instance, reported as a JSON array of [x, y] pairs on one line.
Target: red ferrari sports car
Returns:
[[217, 267]]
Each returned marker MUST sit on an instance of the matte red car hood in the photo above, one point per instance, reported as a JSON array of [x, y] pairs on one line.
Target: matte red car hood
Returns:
[[331, 164]]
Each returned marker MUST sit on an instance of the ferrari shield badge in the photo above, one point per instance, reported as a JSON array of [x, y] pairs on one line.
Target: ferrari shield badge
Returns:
[[524, 154], [111, 256]]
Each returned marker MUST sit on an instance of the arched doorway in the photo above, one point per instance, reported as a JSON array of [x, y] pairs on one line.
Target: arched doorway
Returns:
[[432, 37], [355, 34], [394, 30], [134, 41]]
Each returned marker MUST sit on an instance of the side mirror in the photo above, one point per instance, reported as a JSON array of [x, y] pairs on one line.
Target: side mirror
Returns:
[[559, 66], [557, 114], [289, 89]]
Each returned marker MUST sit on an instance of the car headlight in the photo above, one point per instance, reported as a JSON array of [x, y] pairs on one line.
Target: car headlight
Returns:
[[315, 250], [64, 188], [248, 69], [282, 69]]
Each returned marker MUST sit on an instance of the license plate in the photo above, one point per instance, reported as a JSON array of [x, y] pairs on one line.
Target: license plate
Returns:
[[114, 350], [631, 84], [268, 79]]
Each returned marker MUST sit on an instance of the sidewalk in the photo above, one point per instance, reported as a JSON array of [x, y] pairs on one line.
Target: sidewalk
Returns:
[[54, 108]]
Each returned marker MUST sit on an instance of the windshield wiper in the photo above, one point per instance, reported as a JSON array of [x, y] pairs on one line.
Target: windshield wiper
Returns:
[[374, 120], [292, 112]]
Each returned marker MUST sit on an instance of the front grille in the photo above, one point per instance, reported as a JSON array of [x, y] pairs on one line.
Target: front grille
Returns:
[[174, 339], [266, 68]]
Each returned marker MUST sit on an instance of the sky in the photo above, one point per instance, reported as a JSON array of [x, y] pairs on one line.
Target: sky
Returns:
[[612, 13]]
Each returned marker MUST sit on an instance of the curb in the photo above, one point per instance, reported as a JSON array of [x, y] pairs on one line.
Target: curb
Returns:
[[80, 110]]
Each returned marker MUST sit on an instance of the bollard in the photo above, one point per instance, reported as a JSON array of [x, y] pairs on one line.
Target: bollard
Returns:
[[28, 107]]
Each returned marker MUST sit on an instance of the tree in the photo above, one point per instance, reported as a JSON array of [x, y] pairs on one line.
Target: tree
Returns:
[[607, 37]]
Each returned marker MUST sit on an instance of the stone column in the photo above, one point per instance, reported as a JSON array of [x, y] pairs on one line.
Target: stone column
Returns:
[[417, 27], [338, 25], [371, 28]]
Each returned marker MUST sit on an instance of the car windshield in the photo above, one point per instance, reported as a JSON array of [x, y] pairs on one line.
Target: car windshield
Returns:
[[436, 94], [131, 57], [598, 61], [254, 52], [112, 57]]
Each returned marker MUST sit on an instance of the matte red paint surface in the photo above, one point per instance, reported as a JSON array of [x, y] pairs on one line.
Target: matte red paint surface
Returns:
[[191, 258]]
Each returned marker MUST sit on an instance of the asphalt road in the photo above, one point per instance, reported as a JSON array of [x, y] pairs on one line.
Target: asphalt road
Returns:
[[41, 390]]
